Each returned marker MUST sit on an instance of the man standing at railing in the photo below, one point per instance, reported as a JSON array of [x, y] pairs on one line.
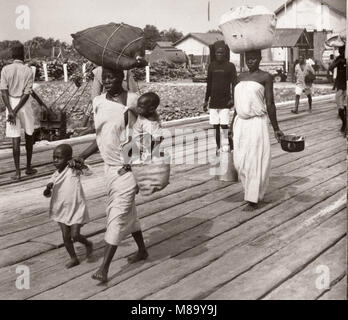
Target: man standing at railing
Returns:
[[16, 86]]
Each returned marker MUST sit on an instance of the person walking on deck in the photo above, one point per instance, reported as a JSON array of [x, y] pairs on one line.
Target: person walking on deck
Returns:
[[16, 86], [222, 77], [68, 205], [340, 64], [254, 100], [303, 74], [122, 220]]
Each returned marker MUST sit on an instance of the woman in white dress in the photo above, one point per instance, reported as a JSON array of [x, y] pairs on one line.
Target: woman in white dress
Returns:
[[254, 100]]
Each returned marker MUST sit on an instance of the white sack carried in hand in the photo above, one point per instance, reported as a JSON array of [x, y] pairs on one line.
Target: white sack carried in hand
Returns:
[[248, 28]]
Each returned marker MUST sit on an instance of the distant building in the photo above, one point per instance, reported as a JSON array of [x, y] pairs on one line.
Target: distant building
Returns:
[[196, 46], [163, 45], [321, 19], [313, 15], [164, 51]]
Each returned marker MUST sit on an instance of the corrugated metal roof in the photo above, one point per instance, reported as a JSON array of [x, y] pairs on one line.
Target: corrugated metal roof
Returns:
[[287, 37]]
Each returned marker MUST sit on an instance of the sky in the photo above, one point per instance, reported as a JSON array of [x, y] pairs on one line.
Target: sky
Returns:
[[59, 18]]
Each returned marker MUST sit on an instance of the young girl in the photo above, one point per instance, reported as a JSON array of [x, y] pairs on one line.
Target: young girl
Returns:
[[68, 203]]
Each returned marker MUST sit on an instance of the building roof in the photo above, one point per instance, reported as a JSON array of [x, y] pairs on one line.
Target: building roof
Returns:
[[337, 6], [168, 54], [290, 37], [207, 38], [164, 44]]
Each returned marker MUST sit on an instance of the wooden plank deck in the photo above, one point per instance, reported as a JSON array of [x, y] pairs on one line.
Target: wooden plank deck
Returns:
[[201, 244]]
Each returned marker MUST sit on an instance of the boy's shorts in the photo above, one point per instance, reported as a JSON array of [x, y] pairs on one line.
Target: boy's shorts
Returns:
[[219, 116], [24, 119], [341, 98], [299, 90]]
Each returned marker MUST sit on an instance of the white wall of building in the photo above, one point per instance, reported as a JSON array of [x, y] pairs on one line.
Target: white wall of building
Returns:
[[192, 46], [279, 54], [197, 48], [310, 14]]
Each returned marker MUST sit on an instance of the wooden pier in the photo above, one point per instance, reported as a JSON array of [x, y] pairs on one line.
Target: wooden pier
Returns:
[[201, 244]]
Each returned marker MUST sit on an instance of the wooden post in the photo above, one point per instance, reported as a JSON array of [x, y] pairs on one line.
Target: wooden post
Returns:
[[147, 69], [33, 69], [65, 69], [45, 70], [84, 72]]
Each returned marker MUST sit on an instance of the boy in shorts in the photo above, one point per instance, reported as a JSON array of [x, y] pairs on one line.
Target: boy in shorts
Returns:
[[222, 77]]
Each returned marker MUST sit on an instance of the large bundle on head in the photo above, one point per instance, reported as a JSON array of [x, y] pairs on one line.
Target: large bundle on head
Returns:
[[248, 28], [113, 45]]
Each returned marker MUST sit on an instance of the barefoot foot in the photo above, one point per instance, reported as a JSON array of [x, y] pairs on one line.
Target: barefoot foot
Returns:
[[16, 177], [140, 255], [72, 263], [101, 276]]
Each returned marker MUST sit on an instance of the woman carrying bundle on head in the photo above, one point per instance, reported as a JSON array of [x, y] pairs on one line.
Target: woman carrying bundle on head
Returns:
[[253, 101], [247, 30]]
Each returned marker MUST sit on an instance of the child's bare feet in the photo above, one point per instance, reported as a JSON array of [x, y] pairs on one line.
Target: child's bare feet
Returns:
[[16, 177], [72, 263], [101, 276], [250, 207], [89, 251], [140, 255]]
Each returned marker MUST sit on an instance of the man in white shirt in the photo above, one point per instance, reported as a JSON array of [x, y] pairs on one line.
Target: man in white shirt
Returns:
[[16, 86], [303, 85]]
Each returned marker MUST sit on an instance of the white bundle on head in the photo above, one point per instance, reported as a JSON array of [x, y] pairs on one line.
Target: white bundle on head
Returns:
[[248, 28]]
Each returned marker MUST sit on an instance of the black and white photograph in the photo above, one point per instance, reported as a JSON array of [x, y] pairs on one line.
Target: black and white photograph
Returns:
[[188, 150]]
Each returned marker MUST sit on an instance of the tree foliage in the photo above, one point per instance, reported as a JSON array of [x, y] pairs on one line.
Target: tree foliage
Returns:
[[171, 35], [151, 36]]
